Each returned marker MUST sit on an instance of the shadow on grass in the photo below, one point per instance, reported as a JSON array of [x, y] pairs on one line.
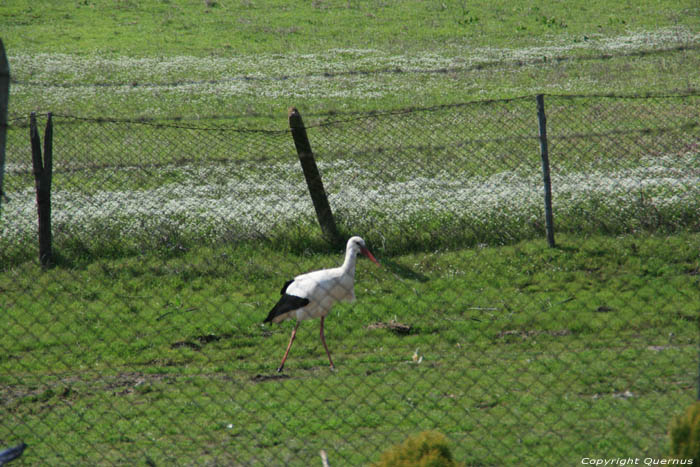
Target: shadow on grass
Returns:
[[402, 271]]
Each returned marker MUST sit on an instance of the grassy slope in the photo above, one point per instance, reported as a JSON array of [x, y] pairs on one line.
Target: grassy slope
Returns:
[[185, 27], [537, 346], [184, 41]]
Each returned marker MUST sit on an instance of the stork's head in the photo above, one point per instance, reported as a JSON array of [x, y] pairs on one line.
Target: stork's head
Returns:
[[357, 245]]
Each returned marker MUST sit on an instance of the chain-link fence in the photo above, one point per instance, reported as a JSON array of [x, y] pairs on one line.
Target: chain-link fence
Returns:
[[172, 239]]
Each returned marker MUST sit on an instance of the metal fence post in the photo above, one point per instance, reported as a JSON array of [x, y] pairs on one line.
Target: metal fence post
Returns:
[[313, 177], [544, 153], [4, 101]]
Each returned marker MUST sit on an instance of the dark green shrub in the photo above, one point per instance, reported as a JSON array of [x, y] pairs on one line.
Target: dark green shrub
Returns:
[[685, 434], [427, 449]]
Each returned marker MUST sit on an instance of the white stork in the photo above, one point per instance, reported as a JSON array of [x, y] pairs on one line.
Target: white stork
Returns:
[[312, 295]]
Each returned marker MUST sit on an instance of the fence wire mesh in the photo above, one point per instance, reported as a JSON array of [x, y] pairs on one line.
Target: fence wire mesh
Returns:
[[145, 344]]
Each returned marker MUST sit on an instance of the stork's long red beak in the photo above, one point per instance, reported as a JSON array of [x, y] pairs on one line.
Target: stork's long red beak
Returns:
[[366, 252]]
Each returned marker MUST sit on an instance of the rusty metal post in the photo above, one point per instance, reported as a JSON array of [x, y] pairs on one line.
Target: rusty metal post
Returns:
[[544, 153]]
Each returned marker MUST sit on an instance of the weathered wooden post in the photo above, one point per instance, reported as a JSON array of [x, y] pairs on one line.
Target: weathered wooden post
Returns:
[[313, 177], [544, 153], [42, 180], [4, 102]]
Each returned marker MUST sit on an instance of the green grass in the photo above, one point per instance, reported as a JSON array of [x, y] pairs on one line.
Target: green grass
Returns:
[[147, 347], [252, 59], [529, 353], [167, 27]]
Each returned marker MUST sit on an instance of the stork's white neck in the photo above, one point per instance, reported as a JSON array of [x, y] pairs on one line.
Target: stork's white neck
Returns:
[[348, 266]]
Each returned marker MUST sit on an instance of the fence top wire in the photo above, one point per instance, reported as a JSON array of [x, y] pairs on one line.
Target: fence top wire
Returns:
[[648, 95], [360, 115], [23, 122], [352, 116], [411, 110]]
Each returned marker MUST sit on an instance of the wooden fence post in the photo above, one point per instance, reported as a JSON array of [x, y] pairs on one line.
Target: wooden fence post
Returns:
[[544, 153], [4, 101], [42, 180], [313, 177]]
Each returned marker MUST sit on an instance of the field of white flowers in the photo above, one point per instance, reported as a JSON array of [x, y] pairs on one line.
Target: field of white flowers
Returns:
[[392, 206], [339, 77], [398, 181]]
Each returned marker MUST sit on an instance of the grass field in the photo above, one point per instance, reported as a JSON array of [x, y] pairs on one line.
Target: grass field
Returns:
[[254, 59], [529, 355], [144, 343]]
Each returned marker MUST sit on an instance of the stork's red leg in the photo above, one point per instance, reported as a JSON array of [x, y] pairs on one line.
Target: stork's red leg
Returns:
[[289, 346], [323, 339]]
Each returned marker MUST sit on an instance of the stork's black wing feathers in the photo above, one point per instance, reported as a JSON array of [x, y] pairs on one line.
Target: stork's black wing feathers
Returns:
[[284, 287], [286, 304]]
